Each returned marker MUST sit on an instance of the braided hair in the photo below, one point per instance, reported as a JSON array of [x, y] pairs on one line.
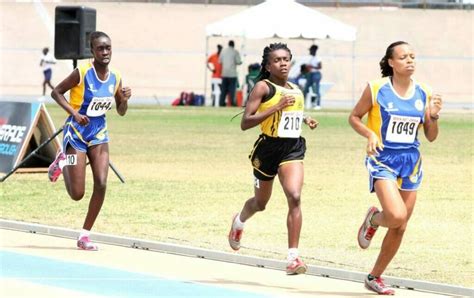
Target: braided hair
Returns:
[[97, 34], [264, 73], [385, 68]]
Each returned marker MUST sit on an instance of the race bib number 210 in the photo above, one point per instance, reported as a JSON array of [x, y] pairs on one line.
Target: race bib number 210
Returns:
[[290, 124]]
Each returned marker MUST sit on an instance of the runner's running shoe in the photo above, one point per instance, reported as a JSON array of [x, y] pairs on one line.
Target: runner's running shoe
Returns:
[[297, 266], [85, 244], [367, 230], [235, 235], [54, 170], [377, 285]]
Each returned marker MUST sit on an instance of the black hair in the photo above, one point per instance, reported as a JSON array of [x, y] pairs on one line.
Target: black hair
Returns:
[[97, 34], [231, 43], [264, 74], [385, 68], [313, 49]]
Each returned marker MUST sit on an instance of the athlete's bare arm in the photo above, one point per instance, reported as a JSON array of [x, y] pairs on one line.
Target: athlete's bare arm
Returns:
[[122, 96], [251, 118], [58, 95]]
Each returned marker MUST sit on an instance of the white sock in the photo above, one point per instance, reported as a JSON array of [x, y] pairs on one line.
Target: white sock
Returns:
[[237, 223], [292, 254], [84, 233]]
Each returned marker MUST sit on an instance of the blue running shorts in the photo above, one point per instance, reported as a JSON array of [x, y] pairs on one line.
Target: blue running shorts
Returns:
[[401, 166], [82, 137]]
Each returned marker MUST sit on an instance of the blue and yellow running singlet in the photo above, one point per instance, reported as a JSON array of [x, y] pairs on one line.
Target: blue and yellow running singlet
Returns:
[[92, 97], [396, 119]]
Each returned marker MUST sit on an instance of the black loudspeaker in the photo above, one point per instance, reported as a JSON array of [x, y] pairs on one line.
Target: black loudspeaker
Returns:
[[73, 26]]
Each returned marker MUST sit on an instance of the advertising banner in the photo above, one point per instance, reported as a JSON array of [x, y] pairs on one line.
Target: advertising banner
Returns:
[[23, 126]]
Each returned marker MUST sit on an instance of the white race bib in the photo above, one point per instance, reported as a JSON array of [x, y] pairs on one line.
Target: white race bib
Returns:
[[99, 106], [402, 129], [290, 124]]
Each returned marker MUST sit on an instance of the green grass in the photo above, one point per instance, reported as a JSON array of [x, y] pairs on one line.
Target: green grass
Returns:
[[187, 173]]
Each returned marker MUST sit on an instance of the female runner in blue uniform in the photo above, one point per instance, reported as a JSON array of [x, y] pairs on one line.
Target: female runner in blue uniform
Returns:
[[397, 106], [277, 105], [93, 87]]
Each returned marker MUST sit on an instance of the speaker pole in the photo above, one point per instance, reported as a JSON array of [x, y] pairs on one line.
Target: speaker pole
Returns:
[[74, 63]]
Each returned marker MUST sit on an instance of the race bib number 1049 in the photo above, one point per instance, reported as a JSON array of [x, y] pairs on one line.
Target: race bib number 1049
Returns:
[[402, 129], [290, 124], [99, 106]]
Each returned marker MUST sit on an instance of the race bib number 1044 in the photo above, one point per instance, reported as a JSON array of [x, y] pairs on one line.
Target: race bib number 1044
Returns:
[[402, 129], [99, 106]]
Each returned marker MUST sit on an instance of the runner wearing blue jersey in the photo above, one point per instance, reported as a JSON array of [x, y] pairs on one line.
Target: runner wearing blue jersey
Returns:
[[397, 107], [93, 87]]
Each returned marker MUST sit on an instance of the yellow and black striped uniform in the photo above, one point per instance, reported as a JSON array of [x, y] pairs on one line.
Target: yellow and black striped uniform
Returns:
[[280, 141], [288, 121]]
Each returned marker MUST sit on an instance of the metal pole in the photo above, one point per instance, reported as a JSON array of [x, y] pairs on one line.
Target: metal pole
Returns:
[[31, 154], [116, 172]]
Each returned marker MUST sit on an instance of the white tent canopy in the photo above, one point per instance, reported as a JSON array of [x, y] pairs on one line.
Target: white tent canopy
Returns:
[[283, 19]]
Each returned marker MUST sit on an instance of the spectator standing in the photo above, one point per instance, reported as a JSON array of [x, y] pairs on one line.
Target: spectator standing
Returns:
[[314, 66], [214, 65], [229, 58], [47, 60]]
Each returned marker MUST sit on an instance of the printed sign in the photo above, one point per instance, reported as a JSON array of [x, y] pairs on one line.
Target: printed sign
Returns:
[[23, 126]]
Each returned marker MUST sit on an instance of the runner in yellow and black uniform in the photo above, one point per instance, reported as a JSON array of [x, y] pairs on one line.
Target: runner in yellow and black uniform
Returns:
[[280, 141], [277, 106]]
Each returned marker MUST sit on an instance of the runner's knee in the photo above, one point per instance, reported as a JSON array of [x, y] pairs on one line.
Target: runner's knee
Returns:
[[396, 218], [76, 195], [294, 198]]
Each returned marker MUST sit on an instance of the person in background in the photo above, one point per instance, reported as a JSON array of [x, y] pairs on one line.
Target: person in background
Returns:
[[397, 106], [213, 63], [277, 106], [302, 77], [93, 87], [251, 77], [229, 58], [46, 62], [314, 66], [215, 67]]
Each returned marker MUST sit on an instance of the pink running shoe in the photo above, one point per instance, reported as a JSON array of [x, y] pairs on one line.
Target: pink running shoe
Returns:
[[377, 285], [54, 170], [297, 266], [235, 235], [367, 230], [85, 244]]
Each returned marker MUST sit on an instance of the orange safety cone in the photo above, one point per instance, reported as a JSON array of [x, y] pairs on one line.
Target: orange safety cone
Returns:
[[239, 98]]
